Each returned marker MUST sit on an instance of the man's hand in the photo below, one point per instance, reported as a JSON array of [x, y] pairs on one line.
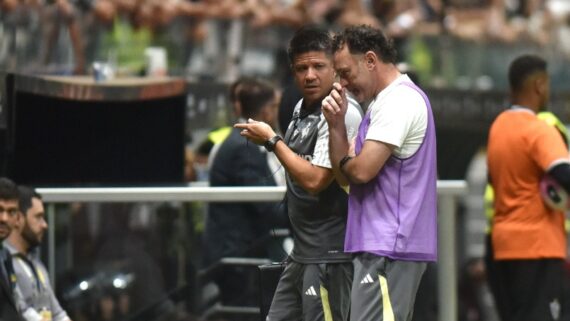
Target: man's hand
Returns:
[[65, 8], [8, 5], [335, 106], [256, 131], [105, 11]]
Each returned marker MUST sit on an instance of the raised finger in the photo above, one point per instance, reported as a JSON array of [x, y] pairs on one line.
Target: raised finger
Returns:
[[337, 86], [333, 103], [337, 96], [327, 108]]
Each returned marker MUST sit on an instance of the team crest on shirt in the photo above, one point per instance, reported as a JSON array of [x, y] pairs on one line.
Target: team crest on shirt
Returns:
[[303, 131], [555, 309]]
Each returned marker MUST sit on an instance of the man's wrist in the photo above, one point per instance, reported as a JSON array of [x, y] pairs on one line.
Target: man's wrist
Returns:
[[343, 161], [271, 142]]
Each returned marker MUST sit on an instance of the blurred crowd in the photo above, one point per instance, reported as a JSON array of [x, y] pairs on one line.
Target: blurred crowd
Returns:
[[68, 36]]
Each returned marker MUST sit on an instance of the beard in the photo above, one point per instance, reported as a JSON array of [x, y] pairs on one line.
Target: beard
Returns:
[[4, 231], [33, 239]]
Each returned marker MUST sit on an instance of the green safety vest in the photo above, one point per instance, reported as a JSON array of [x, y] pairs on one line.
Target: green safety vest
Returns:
[[219, 135]]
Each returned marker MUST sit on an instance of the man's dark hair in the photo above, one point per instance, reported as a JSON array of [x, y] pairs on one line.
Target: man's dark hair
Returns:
[[26, 194], [522, 68], [234, 90], [363, 38], [253, 96], [309, 38], [8, 190]]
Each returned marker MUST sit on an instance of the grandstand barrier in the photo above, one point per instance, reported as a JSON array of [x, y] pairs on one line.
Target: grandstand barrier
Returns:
[[449, 193]]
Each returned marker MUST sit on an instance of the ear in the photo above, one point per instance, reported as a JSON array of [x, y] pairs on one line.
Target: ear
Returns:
[[237, 109], [265, 114], [544, 81], [370, 59], [541, 84], [19, 222]]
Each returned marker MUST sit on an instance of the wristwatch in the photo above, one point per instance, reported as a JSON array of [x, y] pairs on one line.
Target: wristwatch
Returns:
[[270, 143]]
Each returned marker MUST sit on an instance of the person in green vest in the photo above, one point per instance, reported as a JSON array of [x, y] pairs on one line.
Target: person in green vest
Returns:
[[125, 45]]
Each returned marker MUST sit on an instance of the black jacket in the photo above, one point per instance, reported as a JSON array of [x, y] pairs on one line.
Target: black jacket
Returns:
[[8, 311], [238, 229]]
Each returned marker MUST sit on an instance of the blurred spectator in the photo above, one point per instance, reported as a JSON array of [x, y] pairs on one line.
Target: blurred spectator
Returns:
[[63, 39], [400, 18], [471, 281], [242, 229], [219, 39], [216, 137], [207, 150], [332, 13], [128, 38], [97, 19], [501, 20], [21, 26], [560, 14]]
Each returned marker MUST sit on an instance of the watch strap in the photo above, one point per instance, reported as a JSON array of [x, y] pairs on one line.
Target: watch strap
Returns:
[[270, 143]]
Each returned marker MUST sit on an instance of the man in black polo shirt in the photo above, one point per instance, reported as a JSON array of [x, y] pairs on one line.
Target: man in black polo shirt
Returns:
[[317, 279]]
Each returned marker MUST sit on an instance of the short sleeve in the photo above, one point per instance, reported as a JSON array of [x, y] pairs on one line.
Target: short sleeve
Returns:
[[352, 119], [321, 153], [547, 147], [393, 118]]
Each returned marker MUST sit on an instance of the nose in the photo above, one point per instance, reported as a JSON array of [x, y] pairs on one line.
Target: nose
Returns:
[[343, 82], [311, 74]]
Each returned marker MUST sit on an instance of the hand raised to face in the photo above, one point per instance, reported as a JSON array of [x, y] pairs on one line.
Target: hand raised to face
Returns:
[[335, 105]]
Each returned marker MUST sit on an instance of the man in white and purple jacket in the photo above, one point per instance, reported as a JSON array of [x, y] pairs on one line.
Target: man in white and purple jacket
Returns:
[[392, 214]]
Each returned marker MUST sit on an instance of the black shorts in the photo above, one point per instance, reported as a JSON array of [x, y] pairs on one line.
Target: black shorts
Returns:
[[528, 290], [312, 292]]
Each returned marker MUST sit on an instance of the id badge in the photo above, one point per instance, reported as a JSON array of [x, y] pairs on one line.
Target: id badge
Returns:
[[46, 314]]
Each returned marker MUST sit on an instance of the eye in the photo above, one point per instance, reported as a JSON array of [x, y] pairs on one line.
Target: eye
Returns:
[[300, 68]]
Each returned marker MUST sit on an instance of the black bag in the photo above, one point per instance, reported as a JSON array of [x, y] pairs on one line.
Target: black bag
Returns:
[[269, 275]]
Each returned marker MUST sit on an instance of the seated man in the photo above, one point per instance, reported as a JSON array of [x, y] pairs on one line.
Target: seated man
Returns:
[[34, 295]]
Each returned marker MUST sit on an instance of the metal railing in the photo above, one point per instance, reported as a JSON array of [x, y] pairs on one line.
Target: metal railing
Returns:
[[448, 193]]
